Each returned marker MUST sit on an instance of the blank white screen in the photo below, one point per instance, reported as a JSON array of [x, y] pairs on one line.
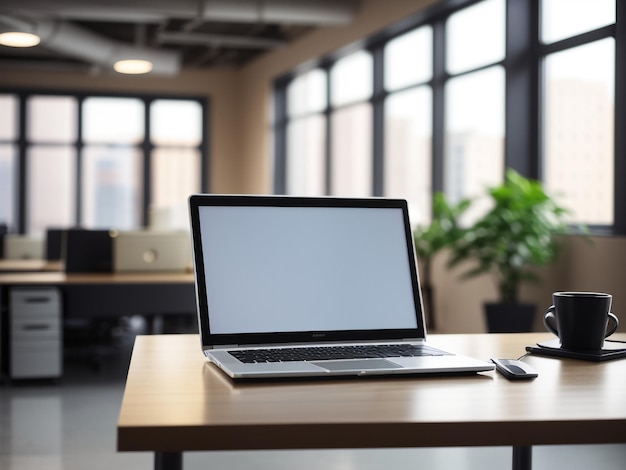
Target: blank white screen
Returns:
[[291, 269]]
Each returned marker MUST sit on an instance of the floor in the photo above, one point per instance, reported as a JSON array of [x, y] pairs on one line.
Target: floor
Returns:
[[70, 425]]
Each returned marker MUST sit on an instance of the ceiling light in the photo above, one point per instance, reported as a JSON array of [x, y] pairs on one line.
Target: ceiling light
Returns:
[[18, 39], [133, 66]]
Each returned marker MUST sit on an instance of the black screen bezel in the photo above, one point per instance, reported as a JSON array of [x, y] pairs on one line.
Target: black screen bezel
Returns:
[[209, 339]]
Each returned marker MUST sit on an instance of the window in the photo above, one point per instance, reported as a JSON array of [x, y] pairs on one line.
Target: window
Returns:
[[176, 136], [51, 161], [351, 153], [474, 113], [562, 19], [306, 134], [474, 134], [449, 98], [408, 121], [408, 168], [416, 45], [8, 157], [351, 124], [112, 167], [99, 161], [579, 106]]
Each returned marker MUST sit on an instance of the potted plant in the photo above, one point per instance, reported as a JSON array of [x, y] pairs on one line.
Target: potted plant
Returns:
[[517, 234], [443, 231]]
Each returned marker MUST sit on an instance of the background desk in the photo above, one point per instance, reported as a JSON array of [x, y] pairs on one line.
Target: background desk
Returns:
[[175, 401], [28, 265], [104, 295], [101, 295]]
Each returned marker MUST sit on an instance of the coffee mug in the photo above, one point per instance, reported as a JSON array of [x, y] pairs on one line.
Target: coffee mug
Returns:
[[582, 319]]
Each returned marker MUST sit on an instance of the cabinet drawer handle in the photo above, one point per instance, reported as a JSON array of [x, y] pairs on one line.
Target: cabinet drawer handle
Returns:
[[36, 327], [37, 300]]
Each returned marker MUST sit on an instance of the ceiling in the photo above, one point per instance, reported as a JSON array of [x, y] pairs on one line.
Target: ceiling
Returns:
[[91, 35]]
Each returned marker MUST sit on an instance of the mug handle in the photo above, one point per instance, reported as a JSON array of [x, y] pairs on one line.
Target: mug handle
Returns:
[[549, 316], [610, 331]]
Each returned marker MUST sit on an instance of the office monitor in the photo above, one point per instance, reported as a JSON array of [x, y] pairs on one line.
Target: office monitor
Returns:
[[88, 251]]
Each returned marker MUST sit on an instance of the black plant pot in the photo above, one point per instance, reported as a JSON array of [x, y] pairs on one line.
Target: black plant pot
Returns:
[[510, 318]]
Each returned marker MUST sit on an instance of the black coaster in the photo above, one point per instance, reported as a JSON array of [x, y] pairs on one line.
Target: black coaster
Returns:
[[611, 350]]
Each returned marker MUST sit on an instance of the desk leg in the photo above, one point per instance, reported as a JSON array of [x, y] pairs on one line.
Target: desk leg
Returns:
[[168, 461], [522, 457]]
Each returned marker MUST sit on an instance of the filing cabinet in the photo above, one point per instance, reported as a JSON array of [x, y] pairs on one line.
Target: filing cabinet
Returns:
[[36, 345]]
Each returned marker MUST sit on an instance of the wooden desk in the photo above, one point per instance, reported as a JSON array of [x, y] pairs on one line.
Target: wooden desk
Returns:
[[175, 401]]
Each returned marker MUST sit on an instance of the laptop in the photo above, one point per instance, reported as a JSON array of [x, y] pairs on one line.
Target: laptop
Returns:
[[151, 251], [311, 286]]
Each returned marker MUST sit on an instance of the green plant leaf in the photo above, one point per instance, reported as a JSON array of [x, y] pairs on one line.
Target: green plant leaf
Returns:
[[518, 233]]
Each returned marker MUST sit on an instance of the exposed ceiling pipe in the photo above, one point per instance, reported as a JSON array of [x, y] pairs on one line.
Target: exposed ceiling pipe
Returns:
[[218, 40], [71, 40], [304, 12], [52, 22]]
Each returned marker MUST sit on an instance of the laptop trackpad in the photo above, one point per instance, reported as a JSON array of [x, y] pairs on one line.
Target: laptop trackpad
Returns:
[[357, 364]]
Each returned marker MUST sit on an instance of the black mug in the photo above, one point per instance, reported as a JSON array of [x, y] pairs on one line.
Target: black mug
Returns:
[[581, 319]]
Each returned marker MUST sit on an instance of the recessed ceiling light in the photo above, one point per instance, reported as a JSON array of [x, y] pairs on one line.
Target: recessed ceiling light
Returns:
[[19, 39], [133, 66]]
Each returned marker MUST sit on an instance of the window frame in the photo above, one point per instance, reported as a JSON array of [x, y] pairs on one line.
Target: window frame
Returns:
[[145, 147], [523, 66]]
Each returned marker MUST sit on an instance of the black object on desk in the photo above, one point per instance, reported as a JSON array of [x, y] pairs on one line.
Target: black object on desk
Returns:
[[88, 251], [54, 243], [4, 229], [611, 350], [514, 369]]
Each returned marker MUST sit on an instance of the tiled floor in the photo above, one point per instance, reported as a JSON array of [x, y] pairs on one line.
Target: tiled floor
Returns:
[[71, 425]]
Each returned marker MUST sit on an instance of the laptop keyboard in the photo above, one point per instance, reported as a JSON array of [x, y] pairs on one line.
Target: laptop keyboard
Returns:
[[326, 353]]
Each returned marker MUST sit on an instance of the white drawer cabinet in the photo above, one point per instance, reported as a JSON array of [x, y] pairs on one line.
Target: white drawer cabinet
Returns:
[[36, 345]]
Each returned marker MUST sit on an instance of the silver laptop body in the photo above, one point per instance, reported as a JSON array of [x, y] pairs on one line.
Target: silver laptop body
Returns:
[[282, 282]]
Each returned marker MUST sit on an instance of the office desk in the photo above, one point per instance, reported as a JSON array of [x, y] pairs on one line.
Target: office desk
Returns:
[[112, 294], [95, 296], [28, 265], [175, 401]]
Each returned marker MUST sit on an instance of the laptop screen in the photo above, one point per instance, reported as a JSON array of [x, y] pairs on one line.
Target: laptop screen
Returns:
[[268, 266]]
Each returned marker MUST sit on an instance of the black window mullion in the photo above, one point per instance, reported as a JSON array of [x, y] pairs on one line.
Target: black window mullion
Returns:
[[146, 149], [80, 147], [329, 134], [280, 137], [578, 40], [619, 171], [438, 117], [378, 122], [204, 149], [521, 146], [22, 167]]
